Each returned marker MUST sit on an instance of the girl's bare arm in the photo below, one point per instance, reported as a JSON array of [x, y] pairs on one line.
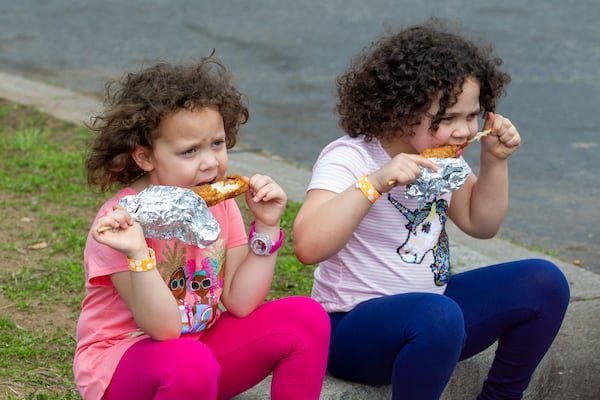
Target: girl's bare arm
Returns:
[[479, 206], [148, 298]]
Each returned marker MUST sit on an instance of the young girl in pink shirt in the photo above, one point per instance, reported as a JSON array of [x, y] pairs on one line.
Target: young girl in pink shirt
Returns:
[[168, 320]]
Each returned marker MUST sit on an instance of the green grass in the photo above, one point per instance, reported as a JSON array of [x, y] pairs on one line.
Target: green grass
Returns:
[[45, 201]]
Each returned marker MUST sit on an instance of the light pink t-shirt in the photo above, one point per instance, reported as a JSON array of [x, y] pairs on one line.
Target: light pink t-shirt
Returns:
[[397, 248], [106, 328]]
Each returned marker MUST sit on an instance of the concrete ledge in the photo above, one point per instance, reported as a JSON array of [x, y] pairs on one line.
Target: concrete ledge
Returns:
[[465, 384], [564, 373]]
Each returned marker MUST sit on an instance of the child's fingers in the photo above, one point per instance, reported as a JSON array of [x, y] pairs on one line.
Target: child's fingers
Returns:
[[489, 121], [510, 138], [506, 132], [426, 162], [268, 193], [402, 170], [118, 218], [123, 214], [263, 188]]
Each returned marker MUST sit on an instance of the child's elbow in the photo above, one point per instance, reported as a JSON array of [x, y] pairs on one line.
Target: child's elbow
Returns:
[[242, 310], [487, 233], [302, 254], [300, 243], [167, 329], [166, 334]]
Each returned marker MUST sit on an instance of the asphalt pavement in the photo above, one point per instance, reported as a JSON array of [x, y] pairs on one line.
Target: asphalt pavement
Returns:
[[286, 55], [570, 369]]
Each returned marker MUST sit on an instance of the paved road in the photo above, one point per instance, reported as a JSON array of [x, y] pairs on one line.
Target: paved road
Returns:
[[286, 55]]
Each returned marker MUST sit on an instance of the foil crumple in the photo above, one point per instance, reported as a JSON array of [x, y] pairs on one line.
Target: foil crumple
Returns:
[[451, 175], [170, 212]]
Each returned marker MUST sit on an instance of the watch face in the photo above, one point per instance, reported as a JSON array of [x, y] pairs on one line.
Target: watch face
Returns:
[[260, 244]]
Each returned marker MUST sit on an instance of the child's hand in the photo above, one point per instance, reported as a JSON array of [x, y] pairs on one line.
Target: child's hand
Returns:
[[399, 171], [504, 139], [125, 236], [265, 199]]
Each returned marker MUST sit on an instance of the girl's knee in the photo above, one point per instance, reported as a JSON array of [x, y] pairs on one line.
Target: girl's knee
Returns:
[[195, 356], [445, 320], [303, 316], [549, 280]]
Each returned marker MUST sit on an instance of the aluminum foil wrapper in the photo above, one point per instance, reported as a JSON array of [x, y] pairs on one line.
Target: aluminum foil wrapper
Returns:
[[451, 175], [169, 212]]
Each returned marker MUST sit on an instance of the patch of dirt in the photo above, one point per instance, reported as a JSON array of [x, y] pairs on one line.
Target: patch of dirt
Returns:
[[23, 247], [21, 243]]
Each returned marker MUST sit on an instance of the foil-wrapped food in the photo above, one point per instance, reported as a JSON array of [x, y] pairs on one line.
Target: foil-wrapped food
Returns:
[[451, 175], [169, 212]]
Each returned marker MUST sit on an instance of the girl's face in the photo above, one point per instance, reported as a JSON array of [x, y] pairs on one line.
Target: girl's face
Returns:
[[458, 124], [189, 151]]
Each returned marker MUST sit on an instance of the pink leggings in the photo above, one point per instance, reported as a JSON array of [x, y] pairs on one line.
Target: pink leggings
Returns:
[[289, 337]]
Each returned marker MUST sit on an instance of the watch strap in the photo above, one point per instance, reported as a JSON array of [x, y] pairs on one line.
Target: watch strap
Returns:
[[274, 246]]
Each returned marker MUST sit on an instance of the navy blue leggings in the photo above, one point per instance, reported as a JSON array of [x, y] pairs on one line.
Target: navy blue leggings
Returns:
[[415, 340]]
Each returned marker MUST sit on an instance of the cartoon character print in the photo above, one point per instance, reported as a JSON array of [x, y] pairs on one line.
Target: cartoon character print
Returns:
[[201, 282], [205, 285], [173, 272], [426, 232], [199, 285], [195, 284]]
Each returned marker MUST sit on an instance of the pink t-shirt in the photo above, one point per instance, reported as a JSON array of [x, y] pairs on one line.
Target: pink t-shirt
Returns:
[[397, 248], [106, 328]]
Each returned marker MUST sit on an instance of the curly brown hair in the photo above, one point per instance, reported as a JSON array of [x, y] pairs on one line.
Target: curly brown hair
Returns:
[[391, 83], [137, 103]]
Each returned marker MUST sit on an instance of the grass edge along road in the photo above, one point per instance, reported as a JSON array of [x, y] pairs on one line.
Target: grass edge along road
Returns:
[[46, 208]]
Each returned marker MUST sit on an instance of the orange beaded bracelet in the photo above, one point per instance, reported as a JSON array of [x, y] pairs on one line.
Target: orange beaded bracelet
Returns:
[[143, 265], [367, 188]]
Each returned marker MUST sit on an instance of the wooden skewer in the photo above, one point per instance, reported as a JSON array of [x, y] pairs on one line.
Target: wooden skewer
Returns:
[[104, 228], [479, 135]]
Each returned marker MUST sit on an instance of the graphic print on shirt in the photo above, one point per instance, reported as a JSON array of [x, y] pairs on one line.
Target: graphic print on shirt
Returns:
[[196, 288], [426, 232], [205, 285]]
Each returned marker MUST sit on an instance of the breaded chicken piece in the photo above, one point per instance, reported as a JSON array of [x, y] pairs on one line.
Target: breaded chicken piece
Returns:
[[452, 150], [447, 151], [230, 187]]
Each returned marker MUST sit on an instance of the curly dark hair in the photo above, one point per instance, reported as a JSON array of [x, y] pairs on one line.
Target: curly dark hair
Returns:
[[391, 83], [136, 104]]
